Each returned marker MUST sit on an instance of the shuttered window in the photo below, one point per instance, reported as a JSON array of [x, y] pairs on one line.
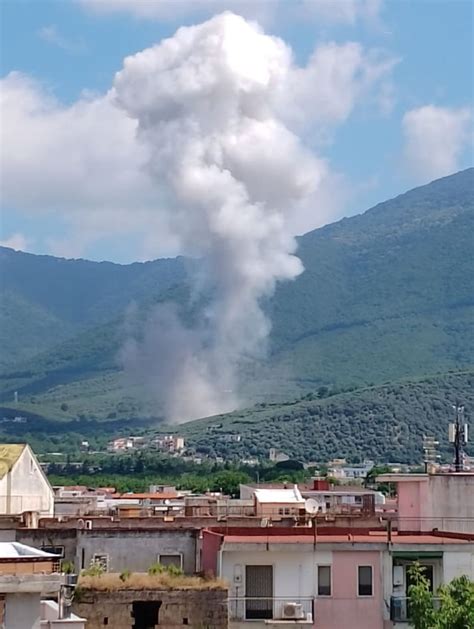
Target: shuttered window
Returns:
[[258, 592]]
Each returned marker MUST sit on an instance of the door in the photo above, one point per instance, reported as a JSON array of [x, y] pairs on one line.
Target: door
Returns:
[[258, 592]]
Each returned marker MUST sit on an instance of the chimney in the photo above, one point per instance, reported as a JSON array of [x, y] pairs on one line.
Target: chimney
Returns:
[[320, 484]]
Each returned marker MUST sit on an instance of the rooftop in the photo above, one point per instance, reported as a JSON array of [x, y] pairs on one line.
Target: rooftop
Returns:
[[9, 455], [142, 581], [280, 496], [15, 550], [371, 537], [146, 496]]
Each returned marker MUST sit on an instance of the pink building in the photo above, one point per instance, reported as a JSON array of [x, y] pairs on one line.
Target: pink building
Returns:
[[330, 579], [434, 501]]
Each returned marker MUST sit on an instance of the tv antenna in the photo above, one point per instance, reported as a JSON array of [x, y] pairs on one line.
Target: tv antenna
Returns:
[[430, 451], [458, 435]]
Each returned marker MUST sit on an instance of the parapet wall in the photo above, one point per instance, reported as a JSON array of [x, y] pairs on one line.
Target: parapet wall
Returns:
[[121, 609]]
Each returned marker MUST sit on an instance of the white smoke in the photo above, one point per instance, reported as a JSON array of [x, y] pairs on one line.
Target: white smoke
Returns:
[[207, 104]]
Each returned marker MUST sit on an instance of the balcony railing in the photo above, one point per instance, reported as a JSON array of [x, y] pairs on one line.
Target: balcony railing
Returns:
[[400, 608], [271, 608]]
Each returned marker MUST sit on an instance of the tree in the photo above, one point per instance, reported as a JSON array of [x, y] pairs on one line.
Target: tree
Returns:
[[456, 602], [421, 610]]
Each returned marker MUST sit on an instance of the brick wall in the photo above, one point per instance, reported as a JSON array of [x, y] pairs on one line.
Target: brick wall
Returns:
[[194, 609]]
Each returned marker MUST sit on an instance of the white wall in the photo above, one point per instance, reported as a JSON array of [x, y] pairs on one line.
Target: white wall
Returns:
[[294, 573], [25, 488], [22, 611], [455, 564]]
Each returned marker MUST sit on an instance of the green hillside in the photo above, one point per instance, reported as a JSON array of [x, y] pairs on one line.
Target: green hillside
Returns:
[[384, 423], [385, 295]]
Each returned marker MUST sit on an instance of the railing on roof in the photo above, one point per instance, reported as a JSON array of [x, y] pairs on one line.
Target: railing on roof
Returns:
[[271, 608]]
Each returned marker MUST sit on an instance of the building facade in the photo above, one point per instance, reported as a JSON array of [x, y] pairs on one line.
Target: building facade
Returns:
[[23, 484]]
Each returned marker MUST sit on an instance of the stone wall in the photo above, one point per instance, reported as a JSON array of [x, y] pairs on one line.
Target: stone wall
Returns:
[[194, 609]]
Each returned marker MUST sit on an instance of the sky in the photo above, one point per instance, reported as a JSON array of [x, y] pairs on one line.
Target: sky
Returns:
[[383, 102]]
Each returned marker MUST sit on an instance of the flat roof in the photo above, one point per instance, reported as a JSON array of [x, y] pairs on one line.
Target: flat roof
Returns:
[[375, 537], [15, 550], [280, 496]]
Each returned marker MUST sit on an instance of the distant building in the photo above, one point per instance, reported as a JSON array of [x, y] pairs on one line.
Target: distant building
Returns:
[[342, 470], [277, 457], [169, 443], [23, 484], [278, 503]]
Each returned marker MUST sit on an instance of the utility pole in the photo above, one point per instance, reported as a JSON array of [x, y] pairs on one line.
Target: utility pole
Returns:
[[458, 435]]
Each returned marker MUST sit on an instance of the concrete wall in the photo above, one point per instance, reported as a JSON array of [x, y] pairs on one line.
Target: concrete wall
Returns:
[[293, 572], [193, 609], [40, 538], [443, 501], [455, 564], [137, 550], [22, 611], [25, 488]]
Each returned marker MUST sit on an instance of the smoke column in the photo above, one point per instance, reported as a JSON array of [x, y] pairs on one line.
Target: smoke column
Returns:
[[227, 169]]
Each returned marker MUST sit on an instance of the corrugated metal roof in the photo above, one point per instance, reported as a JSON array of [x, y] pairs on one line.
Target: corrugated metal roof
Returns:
[[9, 455]]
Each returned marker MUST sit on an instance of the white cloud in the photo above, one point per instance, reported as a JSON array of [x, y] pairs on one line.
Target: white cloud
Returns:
[[434, 139], [51, 35], [82, 162], [173, 10], [16, 241], [336, 78], [344, 12]]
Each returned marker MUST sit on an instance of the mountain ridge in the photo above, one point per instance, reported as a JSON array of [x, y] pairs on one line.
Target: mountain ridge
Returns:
[[385, 294]]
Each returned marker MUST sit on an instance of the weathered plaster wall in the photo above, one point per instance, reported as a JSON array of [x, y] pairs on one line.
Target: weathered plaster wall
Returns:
[[193, 609]]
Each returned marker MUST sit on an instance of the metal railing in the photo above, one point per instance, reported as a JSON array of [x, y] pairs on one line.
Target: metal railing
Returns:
[[271, 608], [400, 608]]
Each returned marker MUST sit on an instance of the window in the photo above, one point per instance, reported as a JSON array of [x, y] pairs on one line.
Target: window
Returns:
[[102, 561], [324, 580], [365, 581], [171, 560], [54, 550], [258, 592]]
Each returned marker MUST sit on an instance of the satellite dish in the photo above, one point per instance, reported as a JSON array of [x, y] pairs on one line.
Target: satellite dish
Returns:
[[311, 506]]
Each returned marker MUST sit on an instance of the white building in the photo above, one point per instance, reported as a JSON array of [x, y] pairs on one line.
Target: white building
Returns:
[[275, 503], [23, 484], [328, 580], [26, 576]]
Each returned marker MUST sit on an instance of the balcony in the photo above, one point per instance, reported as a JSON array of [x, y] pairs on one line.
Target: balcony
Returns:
[[400, 608], [289, 610]]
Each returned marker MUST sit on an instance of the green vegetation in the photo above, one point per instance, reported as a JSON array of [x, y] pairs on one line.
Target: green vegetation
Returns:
[[385, 295], [384, 423], [456, 603]]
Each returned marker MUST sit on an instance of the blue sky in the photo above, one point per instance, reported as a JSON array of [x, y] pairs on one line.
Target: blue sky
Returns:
[[66, 49]]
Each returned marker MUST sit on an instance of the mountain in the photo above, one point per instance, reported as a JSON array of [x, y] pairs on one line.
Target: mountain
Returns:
[[385, 295], [384, 423]]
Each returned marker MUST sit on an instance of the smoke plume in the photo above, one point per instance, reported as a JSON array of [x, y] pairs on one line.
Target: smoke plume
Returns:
[[228, 169]]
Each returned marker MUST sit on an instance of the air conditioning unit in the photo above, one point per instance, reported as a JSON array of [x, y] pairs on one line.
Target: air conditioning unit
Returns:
[[293, 611]]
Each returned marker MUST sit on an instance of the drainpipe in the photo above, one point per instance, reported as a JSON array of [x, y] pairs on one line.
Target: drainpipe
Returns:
[[220, 562]]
